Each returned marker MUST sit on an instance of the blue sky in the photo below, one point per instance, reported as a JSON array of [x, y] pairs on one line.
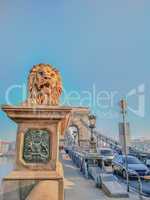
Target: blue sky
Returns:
[[92, 42]]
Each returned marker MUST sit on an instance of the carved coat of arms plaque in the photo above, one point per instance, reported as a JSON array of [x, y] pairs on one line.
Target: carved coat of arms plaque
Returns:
[[36, 146]]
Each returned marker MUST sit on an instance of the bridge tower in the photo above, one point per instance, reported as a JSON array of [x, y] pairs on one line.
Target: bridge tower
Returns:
[[79, 122]]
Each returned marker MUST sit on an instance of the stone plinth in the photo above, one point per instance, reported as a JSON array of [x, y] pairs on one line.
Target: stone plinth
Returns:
[[37, 143]]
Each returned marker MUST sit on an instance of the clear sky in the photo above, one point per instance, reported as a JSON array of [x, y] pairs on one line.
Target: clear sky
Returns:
[[94, 43]]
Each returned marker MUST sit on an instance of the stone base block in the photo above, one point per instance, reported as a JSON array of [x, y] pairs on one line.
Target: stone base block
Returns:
[[16, 189], [34, 185], [47, 190]]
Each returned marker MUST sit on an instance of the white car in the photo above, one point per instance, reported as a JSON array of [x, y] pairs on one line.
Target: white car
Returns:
[[107, 155]]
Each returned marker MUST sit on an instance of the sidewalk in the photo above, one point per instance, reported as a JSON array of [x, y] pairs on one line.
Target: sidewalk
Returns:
[[77, 187]]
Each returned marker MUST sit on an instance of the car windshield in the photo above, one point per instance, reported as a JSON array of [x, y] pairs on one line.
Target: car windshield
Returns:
[[106, 152], [132, 160], [92, 162]]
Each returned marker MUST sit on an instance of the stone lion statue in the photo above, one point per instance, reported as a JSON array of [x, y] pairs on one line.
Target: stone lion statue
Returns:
[[44, 85]]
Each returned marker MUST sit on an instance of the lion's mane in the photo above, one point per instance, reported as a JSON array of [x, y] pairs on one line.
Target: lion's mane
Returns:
[[44, 85]]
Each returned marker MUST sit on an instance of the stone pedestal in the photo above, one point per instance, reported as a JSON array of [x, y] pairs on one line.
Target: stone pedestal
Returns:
[[37, 146], [93, 148]]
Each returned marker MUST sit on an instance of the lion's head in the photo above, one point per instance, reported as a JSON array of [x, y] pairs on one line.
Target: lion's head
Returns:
[[44, 85]]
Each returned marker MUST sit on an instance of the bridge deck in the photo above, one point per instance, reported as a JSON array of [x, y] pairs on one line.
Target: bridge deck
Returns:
[[78, 187]]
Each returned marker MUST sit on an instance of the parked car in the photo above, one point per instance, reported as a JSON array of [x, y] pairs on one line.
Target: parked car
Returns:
[[107, 155], [135, 166]]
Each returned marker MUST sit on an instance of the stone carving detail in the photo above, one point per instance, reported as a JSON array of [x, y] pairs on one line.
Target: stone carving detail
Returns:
[[36, 146], [44, 85]]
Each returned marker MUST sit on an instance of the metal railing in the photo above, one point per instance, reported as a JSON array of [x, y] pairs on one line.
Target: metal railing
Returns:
[[139, 187]]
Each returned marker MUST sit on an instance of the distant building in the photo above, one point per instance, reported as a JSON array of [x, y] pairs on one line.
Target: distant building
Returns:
[[7, 148], [142, 144], [4, 147]]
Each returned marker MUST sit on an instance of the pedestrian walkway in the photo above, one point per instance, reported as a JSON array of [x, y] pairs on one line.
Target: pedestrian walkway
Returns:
[[77, 187]]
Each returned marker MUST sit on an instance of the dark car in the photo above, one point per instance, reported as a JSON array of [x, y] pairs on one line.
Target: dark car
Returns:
[[135, 166]]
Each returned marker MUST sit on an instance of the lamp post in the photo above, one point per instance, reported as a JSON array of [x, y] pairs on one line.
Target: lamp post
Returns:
[[75, 136], [123, 106], [92, 124]]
